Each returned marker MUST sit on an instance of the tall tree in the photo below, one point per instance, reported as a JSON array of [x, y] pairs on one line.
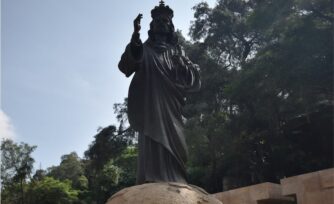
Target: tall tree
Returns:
[[107, 146], [70, 168], [264, 64], [16, 165], [51, 191]]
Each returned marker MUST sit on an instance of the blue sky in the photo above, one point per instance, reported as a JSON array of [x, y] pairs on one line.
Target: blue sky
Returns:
[[59, 75]]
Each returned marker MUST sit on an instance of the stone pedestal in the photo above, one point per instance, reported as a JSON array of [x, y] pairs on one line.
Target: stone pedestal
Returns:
[[264, 193], [163, 193], [312, 188]]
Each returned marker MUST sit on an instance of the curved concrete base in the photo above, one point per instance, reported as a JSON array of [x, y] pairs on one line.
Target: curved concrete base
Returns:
[[163, 193]]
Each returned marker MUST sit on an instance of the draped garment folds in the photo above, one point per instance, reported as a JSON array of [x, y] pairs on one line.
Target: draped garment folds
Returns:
[[155, 101]]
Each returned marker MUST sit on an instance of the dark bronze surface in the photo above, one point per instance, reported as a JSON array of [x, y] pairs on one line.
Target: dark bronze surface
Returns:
[[163, 75]]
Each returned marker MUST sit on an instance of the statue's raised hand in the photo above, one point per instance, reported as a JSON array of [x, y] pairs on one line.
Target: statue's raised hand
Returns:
[[136, 23]]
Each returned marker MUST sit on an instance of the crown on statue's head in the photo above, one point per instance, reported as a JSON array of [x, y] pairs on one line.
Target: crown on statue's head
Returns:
[[162, 10]]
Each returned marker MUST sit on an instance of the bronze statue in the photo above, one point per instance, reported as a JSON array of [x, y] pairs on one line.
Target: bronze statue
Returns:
[[163, 75]]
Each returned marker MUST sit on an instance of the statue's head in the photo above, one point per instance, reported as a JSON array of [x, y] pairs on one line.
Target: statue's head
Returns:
[[162, 23]]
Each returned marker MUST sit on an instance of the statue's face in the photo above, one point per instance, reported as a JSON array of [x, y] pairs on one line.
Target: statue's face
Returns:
[[161, 25]]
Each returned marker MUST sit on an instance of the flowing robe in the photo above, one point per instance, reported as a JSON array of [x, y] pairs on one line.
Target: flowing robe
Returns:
[[155, 100]]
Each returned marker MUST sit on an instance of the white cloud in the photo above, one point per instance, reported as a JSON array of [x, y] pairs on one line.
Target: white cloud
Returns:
[[6, 127]]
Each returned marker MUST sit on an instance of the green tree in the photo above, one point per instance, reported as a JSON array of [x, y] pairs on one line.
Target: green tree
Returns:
[[16, 166], [52, 191], [107, 157], [107, 181], [127, 163], [107, 146], [265, 65], [70, 168], [39, 175]]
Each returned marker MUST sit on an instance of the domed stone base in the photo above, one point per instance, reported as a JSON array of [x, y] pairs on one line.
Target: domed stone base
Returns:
[[163, 193]]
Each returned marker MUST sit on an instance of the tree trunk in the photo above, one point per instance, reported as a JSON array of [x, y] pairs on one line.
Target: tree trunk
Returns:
[[22, 192]]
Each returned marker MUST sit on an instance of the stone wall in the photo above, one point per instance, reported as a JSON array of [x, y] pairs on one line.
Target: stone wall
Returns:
[[312, 188]]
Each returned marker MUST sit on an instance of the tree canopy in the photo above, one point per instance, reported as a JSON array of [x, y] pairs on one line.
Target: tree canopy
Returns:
[[267, 73]]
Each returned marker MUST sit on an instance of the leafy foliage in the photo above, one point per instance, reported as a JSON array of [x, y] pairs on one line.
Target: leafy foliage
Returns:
[[111, 159], [16, 167], [267, 70], [16, 161], [52, 191], [70, 168]]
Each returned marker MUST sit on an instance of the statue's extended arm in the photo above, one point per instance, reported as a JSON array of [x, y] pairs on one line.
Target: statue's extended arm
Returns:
[[131, 58], [136, 44]]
